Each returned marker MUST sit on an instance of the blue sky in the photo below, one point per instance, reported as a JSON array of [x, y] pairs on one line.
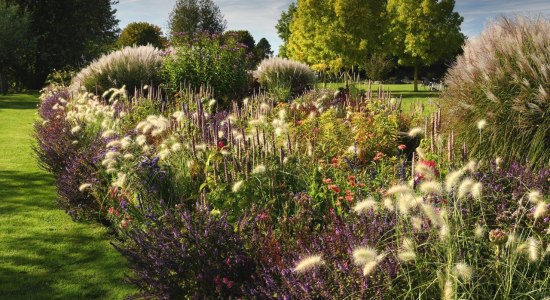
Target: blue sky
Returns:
[[260, 16]]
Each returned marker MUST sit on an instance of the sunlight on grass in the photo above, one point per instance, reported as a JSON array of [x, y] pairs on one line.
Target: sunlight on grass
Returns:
[[43, 253]]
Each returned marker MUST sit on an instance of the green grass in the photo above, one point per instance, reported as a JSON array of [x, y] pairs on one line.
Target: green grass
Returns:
[[43, 253], [410, 97]]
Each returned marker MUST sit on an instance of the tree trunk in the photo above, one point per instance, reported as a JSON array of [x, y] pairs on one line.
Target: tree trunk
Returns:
[[416, 78], [3, 81]]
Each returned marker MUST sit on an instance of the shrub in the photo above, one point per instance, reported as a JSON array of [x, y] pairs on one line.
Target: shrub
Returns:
[[131, 67], [283, 77], [187, 254], [141, 34], [502, 80], [203, 60]]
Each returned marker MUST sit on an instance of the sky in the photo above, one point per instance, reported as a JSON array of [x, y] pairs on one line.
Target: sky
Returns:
[[260, 16]]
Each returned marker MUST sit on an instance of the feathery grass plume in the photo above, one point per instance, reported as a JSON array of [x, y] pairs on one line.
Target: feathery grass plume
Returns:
[[417, 223], [176, 147], [463, 271], [112, 154], [421, 153], [430, 212], [76, 129], [540, 210], [128, 156], [364, 255], [431, 187], [129, 66], [479, 232], [400, 189], [259, 169], [388, 204], [465, 187], [309, 263], [444, 232], [365, 205], [414, 132], [120, 181], [237, 186], [453, 179], [369, 267], [284, 77], [502, 77], [448, 289], [407, 252], [114, 144], [84, 187], [404, 203], [533, 249], [163, 154], [476, 190], [481, 124], [178, 115], [498, 162], [141, 140], [535, 197], [425, 171]]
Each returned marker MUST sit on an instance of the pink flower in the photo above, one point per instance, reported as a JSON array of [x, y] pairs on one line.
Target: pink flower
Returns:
[[402, 147], [334, 188]]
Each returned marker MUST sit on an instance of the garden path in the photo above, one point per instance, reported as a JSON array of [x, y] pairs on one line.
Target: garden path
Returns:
[[43, 253]]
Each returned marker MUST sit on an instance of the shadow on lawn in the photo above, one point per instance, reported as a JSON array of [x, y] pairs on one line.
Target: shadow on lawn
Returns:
[[43, 254], [19, 101]]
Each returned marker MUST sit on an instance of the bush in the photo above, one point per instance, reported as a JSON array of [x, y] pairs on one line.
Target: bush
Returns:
[[141, 34], [284, 78], [203, 60], [503, 79], [131, 67]]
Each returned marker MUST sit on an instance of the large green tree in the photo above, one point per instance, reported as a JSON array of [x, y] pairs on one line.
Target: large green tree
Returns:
[[15, 39], [423, 31], [263, 49], [141, 34], [196, 16], [283, 28], [68, 33], [336, 34]]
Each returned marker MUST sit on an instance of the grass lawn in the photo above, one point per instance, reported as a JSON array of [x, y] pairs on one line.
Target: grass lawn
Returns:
[[410, 97], [43, 253]]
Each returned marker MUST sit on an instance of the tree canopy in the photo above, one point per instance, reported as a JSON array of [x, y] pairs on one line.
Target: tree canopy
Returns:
[[423, 31], [141, 34], [263, 49], [283, 28], [333, 34], [14, 39], [196, 16], [68, 33]]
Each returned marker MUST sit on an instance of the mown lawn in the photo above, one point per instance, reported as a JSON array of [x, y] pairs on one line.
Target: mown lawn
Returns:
[[43, 253], [410, 97]]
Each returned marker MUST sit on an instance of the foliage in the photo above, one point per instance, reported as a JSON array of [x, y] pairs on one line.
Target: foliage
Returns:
[[504, 83], [422, 33], [141, 34], [378, 66], [204, 60], [60, 77], [187, 254], [68, 34], [15, 39], [131, 67], [283, 77], [330, 35], [283, 28], [263, 49], [195, 16]]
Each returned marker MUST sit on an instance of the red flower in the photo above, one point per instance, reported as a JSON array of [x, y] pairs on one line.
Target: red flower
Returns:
[[379, 155], [349, 196], [334, 188], [327, 180], [335, 162], [402, 147], [221, 144], [124, 224]]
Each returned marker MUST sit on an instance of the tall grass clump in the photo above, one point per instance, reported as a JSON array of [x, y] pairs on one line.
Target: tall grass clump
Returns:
[[284, 78], [131, 67], [501, 84]]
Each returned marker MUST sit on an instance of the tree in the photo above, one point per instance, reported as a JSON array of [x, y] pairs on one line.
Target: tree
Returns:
[[141, 34], [378, 66], [14, 39], [196, 15], [68, 33], [283, 28], [423, 31], [335, 34], [263, 49]]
